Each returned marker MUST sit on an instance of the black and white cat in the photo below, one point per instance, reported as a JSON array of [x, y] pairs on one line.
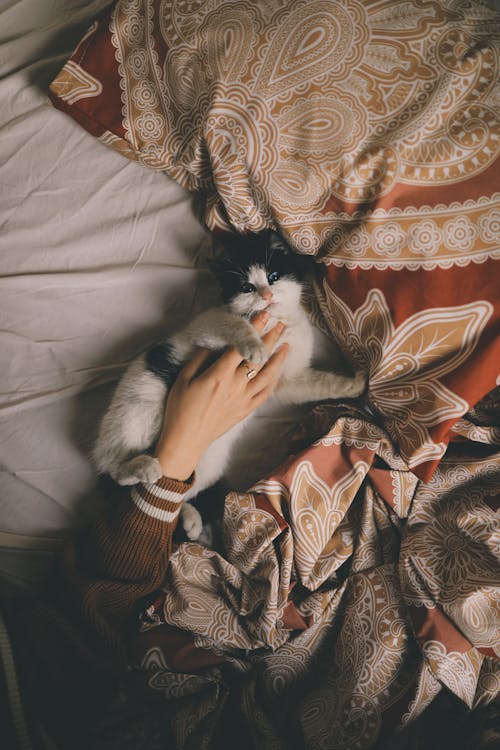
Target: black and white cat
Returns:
[[259, 273]]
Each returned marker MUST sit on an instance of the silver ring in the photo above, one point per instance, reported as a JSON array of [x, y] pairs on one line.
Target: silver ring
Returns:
[[251, 372]]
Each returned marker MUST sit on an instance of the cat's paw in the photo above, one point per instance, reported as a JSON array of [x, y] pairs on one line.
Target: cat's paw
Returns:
[[207, 536], [141, 468], [191, 521], [251, 347], [357, 384]]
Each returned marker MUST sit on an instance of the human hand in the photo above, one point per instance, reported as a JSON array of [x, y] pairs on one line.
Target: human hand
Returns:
[[203, 404]]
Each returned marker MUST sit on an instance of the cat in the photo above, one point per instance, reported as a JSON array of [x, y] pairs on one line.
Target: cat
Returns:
[[258, 272]]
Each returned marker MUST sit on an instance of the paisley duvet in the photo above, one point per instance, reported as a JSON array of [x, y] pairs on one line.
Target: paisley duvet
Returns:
[[359, 580]]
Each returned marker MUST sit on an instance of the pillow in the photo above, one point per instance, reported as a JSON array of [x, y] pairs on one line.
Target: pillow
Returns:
[[367, 133]]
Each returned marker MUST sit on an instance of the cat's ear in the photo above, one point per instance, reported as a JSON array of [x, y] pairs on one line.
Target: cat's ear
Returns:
[[232, 243], [299, 264], [276, 243], [238, 245]]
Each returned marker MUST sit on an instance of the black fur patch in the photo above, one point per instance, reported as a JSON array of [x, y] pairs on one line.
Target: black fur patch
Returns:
[[160, 360], [266, 249]]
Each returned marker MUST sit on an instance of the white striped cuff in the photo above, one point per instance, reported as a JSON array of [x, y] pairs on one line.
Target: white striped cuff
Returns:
[[162, 494], [160, 513]]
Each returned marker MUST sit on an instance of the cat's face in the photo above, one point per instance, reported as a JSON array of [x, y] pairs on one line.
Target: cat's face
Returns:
[[259, 274]]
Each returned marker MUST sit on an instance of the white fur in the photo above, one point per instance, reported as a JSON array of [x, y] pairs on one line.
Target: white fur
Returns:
[[133, 420]]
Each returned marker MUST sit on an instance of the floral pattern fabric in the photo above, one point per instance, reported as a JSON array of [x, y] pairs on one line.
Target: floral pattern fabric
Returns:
[[367, 132], [359, 581], [349, 593]]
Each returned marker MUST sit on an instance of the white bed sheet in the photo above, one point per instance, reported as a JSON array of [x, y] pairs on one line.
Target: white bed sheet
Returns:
[[97, 253], [99, 257]]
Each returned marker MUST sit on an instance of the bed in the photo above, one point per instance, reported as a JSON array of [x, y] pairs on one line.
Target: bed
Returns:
[[359, 580]]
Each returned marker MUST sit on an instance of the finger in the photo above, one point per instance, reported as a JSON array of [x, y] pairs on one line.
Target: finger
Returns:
[[195, 364], [259, 321], [232, 359], [272, 337], [261, 397], [227, 363], [269, 374]]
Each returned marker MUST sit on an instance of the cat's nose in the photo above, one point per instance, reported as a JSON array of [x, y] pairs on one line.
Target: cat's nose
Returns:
[[266, 294]]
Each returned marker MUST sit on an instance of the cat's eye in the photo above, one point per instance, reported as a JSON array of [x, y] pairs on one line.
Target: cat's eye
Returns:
[[247, 288], [274, 276]]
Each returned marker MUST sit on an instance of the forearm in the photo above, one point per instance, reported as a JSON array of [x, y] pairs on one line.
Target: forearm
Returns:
[[123, 557], [131, 541]]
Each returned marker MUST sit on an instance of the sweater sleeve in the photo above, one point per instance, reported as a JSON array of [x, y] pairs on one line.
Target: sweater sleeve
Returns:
[[122, 558]]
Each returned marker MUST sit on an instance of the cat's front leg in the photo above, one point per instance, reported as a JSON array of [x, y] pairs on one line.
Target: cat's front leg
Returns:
[[359, 383], [248, 343], [142, 468], [191, 521], [216, 329], [130, 427], [318, 385]]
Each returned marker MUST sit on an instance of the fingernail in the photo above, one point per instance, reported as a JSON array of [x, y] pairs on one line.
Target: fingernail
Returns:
[[281, 327], [264, 316]]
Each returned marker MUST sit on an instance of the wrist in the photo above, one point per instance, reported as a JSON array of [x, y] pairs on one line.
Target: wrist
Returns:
[[176, 463]]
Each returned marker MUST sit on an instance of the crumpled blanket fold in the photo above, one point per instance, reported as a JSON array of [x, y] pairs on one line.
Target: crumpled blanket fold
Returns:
[[350, 594]]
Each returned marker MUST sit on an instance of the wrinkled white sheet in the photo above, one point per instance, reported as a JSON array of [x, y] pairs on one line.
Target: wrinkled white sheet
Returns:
[[99, 256]]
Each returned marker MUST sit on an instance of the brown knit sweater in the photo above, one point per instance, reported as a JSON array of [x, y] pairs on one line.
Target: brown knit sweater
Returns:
[[74, 641], [121, 559]]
